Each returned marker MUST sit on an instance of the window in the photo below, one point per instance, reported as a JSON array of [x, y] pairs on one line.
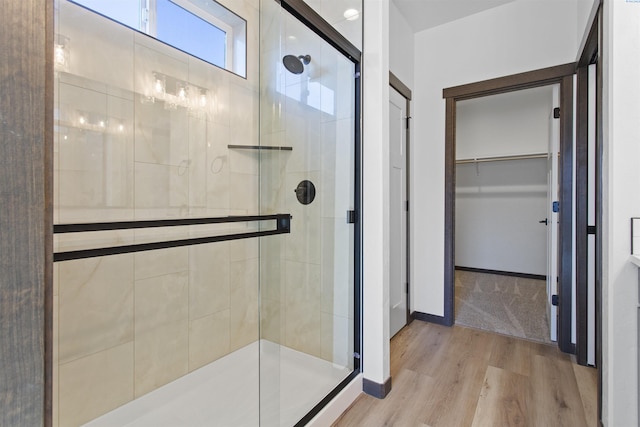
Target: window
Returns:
[[202, 28]]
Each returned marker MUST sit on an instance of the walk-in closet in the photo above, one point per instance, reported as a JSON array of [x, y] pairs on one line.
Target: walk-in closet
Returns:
[[505, 227]]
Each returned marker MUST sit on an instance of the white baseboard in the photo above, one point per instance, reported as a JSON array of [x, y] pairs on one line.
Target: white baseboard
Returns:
[[338, 405]]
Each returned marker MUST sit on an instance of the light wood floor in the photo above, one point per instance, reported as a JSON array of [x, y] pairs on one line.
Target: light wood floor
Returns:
[[457, 377]]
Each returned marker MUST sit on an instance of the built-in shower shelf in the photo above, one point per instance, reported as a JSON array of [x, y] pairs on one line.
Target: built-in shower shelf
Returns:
[[259, 147]]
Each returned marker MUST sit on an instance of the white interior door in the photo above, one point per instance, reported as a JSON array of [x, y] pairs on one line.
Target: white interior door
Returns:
[[552, 217], [398, 212]]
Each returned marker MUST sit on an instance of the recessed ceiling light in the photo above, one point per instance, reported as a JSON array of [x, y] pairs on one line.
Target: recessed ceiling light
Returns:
[[351, 14]]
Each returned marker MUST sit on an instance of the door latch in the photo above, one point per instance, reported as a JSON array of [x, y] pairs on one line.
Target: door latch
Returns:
[[352, 217]]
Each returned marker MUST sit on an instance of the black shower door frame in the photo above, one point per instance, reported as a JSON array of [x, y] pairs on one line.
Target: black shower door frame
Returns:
[[312, 20]]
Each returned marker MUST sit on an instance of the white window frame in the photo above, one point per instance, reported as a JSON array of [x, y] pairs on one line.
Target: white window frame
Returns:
[[214, 13], [235, 40]]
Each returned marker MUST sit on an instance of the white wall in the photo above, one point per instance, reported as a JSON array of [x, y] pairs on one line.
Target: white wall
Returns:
[[584, 8], [375, 192], [401, 44], [499, 204], [621, 180], [498, 42], [507, 124], [401, 63]]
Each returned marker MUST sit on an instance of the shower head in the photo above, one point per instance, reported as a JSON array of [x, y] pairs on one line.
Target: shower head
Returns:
[[295, 63]]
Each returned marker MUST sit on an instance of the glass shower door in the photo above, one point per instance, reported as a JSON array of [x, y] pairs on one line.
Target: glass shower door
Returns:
[[183, 294], [308, 170], [156, 289]]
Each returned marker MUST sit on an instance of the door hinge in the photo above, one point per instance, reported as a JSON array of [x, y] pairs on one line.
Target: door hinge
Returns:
[[555, 300], [556, 207], [357, 75], [406, 206], [352, 217], [556, 113], [408, 118], [591, 229], [356, 355], [407, 285]]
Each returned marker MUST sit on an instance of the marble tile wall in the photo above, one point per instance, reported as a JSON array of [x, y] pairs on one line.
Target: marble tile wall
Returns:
[[125, 325], [307, 276], [123, 152]]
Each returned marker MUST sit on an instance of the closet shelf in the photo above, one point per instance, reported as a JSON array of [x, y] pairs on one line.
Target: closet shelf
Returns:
[[502, 158], [259, 147]]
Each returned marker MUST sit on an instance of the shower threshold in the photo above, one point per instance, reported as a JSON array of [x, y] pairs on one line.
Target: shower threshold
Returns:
[[234, 392]]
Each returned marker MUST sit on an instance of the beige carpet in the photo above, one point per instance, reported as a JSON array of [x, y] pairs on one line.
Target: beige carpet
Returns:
[[507, 305]]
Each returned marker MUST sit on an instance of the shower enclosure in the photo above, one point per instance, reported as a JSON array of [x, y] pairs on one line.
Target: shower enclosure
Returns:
[[206, 238]]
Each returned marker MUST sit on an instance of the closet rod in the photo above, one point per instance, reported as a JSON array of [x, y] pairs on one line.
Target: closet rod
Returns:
[[501, 158]]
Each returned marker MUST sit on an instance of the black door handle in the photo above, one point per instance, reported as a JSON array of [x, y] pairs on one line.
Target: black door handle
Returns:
[[544, 221]]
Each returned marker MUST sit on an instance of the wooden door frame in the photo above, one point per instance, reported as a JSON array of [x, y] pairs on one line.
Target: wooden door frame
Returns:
[[403, 90], [590, 53], [562, 75]]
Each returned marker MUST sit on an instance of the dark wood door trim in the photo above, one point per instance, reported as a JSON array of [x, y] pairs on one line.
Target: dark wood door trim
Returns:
[[582, 207], [589, 43], [590, 53], [599, 188], [588, 56], [450, 212], [397, 84], [565, 235], [529, 79], [563, 75]]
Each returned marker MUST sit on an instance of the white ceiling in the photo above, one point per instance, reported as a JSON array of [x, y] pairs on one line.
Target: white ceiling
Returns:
[[424, 14]]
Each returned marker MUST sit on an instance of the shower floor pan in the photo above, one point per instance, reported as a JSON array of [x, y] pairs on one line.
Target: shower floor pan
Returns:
[[234, 392]]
